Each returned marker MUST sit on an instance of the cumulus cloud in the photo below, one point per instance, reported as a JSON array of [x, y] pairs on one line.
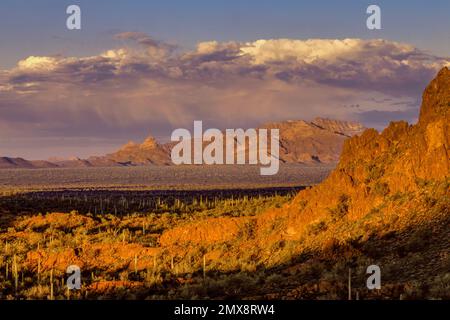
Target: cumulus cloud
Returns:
[[146, 84], [37, 64], [381, 65]]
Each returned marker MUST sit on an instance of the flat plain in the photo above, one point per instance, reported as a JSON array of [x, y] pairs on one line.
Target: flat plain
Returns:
[[161, 177]]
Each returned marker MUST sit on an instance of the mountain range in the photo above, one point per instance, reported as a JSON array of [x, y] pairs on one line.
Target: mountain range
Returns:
[[317, 141]]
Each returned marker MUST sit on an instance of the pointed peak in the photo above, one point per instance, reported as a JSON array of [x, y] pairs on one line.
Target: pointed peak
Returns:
[[149, 142], [129, 144], [436, 98]]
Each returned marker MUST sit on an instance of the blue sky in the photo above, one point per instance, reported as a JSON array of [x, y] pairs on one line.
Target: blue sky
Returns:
[[38, 27], [80, 93]]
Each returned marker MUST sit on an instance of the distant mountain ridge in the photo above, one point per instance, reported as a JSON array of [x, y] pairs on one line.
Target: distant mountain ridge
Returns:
[[347, 128], [317, 141], [10, 163], [320, 140]]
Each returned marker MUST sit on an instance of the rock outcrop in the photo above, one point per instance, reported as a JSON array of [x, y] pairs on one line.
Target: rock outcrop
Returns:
[[394, 180], [375, 168], [346, 128], [150, 152], [320, 140]]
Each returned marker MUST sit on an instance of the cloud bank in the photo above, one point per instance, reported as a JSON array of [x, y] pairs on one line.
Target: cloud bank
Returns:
[[145, 85]]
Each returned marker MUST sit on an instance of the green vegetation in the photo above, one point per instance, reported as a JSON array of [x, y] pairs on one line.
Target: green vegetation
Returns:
[[229, 202], [120, 255], [341, 208]]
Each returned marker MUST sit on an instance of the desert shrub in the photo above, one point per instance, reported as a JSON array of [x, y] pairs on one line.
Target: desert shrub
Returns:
[[398, 197], [247, 232], [232, 285], [430, 201], [414, 290], [341, 208], [381, 189], [422, 183], [278, 245], [372, 213], [417, 241], [317, 227], [374, 172], [274, 279], [440, 287], [330, 246], [302, 204]]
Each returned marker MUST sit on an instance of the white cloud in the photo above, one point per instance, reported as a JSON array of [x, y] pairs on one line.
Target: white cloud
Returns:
[[302, 51], [126, 91], [35, 63]]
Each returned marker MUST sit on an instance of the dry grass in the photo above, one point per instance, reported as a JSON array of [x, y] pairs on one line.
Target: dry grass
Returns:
[[121, 257]]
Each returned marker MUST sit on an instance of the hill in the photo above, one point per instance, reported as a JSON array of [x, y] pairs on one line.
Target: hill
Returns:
[[150, 152], [15, 163], [386, 203]]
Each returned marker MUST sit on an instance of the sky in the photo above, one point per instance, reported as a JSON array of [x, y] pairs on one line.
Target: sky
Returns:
[[148, 67]]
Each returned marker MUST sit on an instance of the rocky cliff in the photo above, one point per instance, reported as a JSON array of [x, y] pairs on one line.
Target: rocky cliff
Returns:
[[394, 184], [375, 165]]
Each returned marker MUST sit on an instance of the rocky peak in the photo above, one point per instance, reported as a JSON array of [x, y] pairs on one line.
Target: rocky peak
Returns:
[[149, 152], [436, 98], [402, 153], [129, 145], [149, 143], [347, 128]]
